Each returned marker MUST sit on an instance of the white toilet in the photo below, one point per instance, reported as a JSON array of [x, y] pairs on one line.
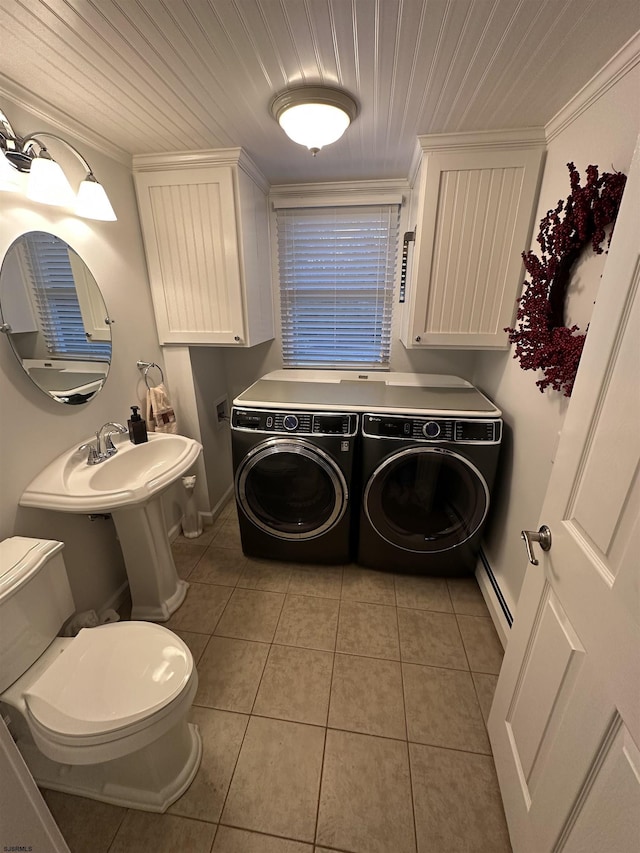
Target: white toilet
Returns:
[[102, 714]]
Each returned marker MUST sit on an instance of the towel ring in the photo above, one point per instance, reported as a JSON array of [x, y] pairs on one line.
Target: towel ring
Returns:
[[146, 366]]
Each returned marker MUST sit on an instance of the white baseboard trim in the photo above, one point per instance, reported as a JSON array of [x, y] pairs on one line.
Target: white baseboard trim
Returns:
[[207, 518], [495, 601]]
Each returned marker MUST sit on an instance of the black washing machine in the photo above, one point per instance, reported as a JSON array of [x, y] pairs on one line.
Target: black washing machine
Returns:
[[426, 491], [293, 476]]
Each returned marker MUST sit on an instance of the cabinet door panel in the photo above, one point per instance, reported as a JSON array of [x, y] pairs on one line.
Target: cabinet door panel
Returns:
[[477, 215], [189, 227]]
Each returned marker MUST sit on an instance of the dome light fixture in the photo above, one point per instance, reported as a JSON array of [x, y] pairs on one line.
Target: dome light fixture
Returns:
[[314, 116]]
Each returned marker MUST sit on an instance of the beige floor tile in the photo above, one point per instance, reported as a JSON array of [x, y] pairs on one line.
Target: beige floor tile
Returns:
[[466, 597], [186, 555], [423, 593], [251, 615], [222, 733], [368, 629], [295, 685], [365, 801], [442, 708], [204, 539], [366, 696], [457, 802], [85, 824], [275, 786], [163, 833], [265, 574], [229, 510], [229, 673], [230, 840], [431, 638], [368, 585], [481, 643], [322, 581], [196, 642], [228, 534], [308, 622], [201, 609], [219, 565], [485, 688]]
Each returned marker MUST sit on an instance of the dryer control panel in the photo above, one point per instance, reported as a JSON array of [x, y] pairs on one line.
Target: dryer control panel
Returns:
[[295, 422], [435, 429]]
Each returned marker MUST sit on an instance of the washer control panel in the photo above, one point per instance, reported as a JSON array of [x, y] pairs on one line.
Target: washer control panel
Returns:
[[298, 423], [436, 429]]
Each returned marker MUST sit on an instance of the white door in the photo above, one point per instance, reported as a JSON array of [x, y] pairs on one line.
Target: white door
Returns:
[[565, 722]]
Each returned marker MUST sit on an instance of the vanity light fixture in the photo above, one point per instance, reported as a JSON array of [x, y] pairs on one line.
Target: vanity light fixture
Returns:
[[314, 115], [46, 183]]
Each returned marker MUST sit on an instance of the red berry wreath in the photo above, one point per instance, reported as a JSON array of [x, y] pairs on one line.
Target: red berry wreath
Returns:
[[542, 340]]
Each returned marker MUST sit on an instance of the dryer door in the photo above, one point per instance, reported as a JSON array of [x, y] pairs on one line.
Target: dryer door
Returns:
[[426, 499], [291, 489]]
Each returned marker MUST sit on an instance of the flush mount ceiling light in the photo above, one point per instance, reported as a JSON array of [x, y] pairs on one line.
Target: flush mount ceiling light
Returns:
[[27, 158], [314, 115]]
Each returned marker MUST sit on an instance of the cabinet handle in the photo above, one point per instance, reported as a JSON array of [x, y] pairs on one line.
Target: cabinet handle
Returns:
[[418, 339], [409, 237], [236, 338]]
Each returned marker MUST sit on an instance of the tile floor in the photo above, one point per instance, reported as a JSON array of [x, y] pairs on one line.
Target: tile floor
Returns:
[[341, 709]]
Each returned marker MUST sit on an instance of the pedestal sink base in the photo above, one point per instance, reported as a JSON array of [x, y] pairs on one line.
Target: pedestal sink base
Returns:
[[156, 589]]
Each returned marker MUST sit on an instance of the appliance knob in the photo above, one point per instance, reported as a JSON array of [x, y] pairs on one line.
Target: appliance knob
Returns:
[[290, 422], [431, 429]]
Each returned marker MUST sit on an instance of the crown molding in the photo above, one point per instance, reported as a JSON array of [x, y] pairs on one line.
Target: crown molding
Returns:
[[483, 139], [25, 99], [198, 160], [616, 68]]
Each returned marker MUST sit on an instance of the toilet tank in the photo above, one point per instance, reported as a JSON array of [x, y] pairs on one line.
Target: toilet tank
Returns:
[[35, 601]]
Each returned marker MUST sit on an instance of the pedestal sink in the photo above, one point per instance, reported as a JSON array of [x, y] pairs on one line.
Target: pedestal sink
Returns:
[[129, 486]]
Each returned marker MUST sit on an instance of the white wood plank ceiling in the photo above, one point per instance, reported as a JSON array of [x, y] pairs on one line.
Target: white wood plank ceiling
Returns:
[[164, 75]]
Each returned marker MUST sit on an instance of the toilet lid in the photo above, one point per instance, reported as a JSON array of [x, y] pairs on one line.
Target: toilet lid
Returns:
[[110, 677]]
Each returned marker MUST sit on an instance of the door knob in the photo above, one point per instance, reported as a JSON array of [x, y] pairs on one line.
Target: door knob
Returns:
[[542, 536]]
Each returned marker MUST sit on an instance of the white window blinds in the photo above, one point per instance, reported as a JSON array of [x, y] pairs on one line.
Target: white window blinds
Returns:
[[46, 261], [337, 271]]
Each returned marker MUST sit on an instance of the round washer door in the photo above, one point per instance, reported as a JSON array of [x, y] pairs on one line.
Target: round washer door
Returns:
[[291, 489], [426, 499]]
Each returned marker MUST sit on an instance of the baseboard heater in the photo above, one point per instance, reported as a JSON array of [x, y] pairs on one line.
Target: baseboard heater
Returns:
[[496, 588]]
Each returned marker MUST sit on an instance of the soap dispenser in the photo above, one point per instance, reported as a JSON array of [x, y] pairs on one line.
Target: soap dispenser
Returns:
[[137, 427]]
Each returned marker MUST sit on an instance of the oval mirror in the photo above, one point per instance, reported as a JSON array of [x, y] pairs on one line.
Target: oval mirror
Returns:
[[55, 318]]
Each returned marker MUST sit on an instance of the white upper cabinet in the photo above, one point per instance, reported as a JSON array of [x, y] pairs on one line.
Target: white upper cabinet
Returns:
[[205, 226], [476, 197]]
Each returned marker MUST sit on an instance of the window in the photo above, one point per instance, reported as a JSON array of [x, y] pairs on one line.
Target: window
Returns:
[[48, 267], [337, 270]]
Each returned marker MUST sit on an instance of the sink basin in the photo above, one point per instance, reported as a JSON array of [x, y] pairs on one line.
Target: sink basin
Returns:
[[128, 485], [135, 474]]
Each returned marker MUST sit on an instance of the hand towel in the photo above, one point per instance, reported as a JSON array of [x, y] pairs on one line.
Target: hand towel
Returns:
[[160, 414]]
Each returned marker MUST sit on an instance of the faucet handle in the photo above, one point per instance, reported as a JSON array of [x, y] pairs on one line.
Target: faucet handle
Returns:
[[109, 447], [93, 456]]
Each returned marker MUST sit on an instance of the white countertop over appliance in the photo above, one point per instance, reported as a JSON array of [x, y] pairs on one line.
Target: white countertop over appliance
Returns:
[[406, 393]]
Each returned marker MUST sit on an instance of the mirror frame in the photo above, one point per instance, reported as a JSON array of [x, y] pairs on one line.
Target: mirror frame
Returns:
[[43, 368]]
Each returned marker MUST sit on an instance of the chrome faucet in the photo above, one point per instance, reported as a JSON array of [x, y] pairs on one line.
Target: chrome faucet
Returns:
[[103, 438], [104, 447]]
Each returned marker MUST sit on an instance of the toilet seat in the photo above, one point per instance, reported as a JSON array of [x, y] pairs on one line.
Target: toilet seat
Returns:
[[111, 689]]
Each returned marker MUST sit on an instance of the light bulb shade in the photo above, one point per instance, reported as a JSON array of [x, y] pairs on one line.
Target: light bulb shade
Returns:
[[48, 185], [92, 201], [11, 180], [314, 115]]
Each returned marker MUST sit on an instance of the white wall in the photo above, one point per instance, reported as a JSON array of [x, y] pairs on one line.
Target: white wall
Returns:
[[33, 428], [603, 134]]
